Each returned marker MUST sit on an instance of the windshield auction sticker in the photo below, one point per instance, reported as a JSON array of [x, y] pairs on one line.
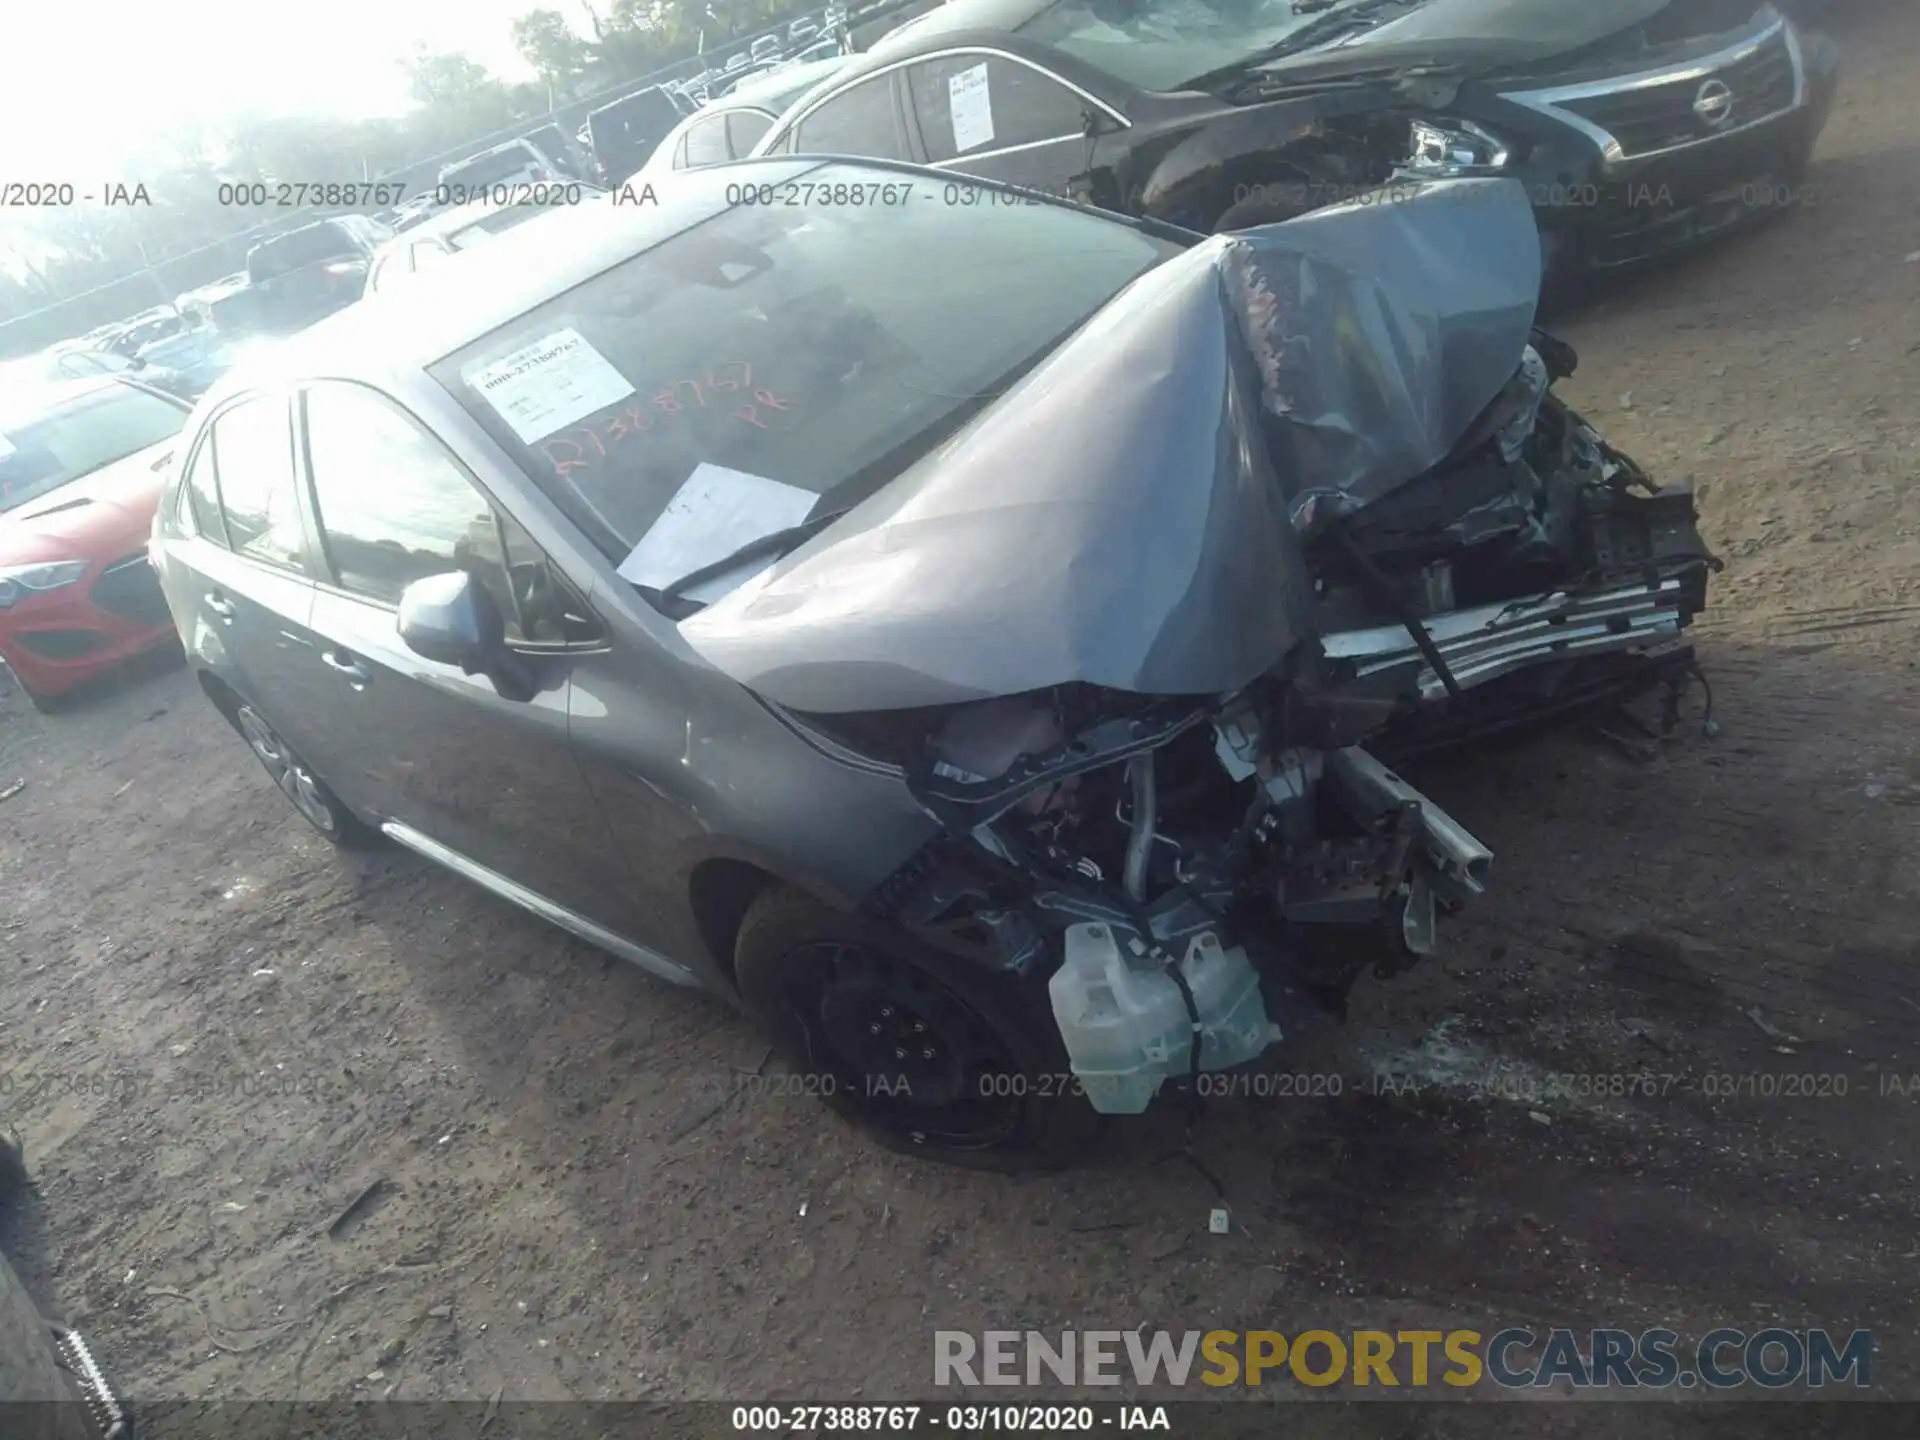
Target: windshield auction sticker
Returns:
[[546, 386]]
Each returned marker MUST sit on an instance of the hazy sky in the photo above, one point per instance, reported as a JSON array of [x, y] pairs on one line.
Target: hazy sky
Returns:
[[80, 79]]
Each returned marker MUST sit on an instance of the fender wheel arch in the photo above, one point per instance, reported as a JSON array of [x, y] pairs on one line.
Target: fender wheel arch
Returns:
[[804, 968]]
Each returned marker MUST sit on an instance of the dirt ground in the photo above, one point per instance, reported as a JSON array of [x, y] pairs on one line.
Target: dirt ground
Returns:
[[215, 1034]]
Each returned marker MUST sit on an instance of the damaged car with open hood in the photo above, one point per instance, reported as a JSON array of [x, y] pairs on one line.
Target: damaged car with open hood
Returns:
[[975, 637]]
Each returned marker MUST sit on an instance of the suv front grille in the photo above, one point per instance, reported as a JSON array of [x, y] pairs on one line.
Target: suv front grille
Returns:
[[130, 589], [1759, 83]]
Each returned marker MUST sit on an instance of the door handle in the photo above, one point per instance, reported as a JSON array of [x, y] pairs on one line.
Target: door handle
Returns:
[[221, 606], [343, 661]]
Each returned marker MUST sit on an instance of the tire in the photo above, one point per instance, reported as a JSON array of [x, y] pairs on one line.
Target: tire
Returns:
[[311, 797], [45, 704], [990, 1089]]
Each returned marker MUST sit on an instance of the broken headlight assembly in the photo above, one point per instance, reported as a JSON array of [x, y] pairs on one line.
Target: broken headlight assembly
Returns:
[[1154, 860], [1453, 148]]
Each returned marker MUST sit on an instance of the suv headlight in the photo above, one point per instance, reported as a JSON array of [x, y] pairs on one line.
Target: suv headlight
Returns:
[[18, 581], [1458, 147]]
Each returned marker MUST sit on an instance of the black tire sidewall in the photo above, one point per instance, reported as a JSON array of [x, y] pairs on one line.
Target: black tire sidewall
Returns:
[[1054, 1122], [42, 704]]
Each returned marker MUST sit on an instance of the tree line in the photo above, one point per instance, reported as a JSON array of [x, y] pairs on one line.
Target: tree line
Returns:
[[89, 250]]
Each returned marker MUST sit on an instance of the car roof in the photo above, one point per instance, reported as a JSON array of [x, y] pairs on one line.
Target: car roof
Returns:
[[330, 222], [958, 15], [777, 87], [219, 290], [518, 143], [454, 217], [628, 99]]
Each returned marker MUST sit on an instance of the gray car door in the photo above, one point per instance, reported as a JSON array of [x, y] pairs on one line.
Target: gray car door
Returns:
[[484, 770], [249, 559], [863, 119]]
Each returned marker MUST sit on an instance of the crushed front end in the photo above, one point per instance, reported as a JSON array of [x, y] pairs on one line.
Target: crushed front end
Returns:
[[1147, 635], [1154, 859]]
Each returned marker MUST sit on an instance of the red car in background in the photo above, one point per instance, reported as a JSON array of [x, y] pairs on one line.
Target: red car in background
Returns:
[[81, 467]]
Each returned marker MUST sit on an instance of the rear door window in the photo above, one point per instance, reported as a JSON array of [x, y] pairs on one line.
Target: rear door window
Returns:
[[706, 144], [970, 104], [259, 498], [745, 129], [202, 492], [857, 121]]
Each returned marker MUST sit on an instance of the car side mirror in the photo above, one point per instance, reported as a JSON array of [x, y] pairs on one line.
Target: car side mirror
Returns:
[[451, 620]]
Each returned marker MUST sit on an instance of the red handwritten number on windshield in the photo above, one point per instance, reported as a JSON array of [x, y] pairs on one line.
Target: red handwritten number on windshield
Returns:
[[581, 449], [751, 413], [633, 420]]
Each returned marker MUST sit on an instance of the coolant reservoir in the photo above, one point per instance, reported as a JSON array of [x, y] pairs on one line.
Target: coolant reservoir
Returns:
[[1125, 1022]]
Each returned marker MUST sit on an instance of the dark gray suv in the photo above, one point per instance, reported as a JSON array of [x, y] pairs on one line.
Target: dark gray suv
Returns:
[[919, 618]]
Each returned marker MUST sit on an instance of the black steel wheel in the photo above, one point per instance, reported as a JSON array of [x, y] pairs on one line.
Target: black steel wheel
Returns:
[[317, 804], [930, 1054]]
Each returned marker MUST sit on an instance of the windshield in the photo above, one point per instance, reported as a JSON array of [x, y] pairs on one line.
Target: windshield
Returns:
[[817, 348], [42, 452], [1166, 44]]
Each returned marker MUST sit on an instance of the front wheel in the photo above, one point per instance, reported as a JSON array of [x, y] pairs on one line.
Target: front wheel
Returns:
[[930, 1054], [45, 704], [311, 796]]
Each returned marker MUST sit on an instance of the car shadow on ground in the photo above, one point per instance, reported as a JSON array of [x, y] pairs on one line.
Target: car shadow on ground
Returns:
[[97, 691]]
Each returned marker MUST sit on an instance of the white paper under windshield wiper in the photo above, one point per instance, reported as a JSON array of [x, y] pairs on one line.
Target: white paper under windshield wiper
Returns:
[[775, 542]]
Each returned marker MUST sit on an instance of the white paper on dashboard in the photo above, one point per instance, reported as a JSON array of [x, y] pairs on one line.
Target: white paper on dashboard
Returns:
[[6, 447], [713, 514], [970, 107], [546, 386]]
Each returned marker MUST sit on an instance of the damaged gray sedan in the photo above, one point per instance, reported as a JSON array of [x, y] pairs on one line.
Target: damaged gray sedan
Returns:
[[971, 631]]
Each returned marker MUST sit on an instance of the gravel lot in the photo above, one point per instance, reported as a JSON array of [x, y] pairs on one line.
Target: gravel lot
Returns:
[[216, 1033]]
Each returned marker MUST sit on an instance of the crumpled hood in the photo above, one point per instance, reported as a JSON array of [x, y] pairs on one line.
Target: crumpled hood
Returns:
[[1126, 516]]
